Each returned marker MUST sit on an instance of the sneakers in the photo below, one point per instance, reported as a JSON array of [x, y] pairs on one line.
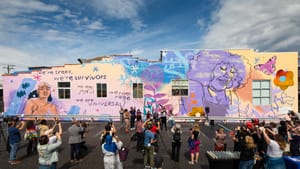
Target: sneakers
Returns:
[[191, 162]]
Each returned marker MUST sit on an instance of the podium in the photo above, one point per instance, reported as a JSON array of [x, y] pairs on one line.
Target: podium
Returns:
[[223, 159]]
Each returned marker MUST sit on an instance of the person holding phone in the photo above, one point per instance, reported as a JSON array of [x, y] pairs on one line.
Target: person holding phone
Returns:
[[274, 159]]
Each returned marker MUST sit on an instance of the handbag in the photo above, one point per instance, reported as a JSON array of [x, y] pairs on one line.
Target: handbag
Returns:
[[123, 153]]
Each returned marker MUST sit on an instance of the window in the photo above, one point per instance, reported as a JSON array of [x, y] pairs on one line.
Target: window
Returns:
[[64, 90], [101, 90], [137, 89], [261, 92], [180, 87]]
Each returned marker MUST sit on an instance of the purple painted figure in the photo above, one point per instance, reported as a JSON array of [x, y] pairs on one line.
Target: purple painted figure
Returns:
[[217, 74]]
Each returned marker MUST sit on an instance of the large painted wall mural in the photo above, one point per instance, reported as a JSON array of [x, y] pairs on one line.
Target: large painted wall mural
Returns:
[[221, 80]]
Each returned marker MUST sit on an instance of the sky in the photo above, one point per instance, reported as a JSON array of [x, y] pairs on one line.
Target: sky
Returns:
[[58, 32]]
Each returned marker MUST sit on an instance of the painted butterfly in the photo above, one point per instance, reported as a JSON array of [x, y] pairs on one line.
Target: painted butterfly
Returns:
[[268, 67]]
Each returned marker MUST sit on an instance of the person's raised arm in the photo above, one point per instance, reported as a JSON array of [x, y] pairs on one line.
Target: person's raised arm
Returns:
[[21, 125], [271, 131], [266, 137], [59, 128]]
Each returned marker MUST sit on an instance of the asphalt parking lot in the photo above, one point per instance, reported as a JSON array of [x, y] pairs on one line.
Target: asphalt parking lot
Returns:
[[93, 158]]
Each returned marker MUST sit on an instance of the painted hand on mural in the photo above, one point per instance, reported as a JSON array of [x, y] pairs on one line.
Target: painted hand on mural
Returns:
[[40, 105]]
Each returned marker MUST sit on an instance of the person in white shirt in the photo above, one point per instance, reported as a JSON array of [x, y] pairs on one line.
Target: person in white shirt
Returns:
[[275, 150]]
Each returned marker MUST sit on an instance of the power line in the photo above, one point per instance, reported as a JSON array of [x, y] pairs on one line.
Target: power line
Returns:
[[9, 68]]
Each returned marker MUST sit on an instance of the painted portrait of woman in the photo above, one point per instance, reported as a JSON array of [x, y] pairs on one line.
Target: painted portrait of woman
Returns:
[[214, 76], [40, 104]]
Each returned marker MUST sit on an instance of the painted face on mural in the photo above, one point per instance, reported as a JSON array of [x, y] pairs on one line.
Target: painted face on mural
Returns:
[[222, 76], [44, 90]]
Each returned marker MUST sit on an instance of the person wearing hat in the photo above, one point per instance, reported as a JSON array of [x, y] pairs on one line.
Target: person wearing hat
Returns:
[[149, 139]]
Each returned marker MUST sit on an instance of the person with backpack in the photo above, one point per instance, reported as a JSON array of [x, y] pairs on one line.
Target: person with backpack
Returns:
[[176, 141]]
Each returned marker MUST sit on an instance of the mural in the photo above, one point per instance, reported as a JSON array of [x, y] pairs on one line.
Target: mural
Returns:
[[214, 76], [39, 102], [268, 67], [218, 80]]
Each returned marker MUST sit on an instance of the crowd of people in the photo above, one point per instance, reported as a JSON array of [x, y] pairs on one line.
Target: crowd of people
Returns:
[[261, 145]]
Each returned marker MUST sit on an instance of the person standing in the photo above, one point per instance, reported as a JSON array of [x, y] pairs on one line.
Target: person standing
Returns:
[[139, 134], [194, 143], [163, 118], [121, 112], [220, 140], [31, 136], [132, 117], [126, 119], [176, 142], [110, 149], [14, 140], [148, 145], [48, 155], [274, 159], [75, 140], [171, 121], [248, 148]]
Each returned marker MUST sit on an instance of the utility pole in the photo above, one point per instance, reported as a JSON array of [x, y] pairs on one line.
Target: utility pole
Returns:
[[9, 68]]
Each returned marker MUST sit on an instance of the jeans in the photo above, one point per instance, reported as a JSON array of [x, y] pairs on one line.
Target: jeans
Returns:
[[175, 150], [13, 151], [246, 164], [274, 163], [75, 151], [52, 166]]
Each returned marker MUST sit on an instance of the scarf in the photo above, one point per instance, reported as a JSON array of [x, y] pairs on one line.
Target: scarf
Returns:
[[109, 145]]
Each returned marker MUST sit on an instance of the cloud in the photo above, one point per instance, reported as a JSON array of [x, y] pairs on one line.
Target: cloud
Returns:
[[17, 7], [13, 14], [201, 23], [96, 25], [67, 13], [264, 25], [120, 9], [16, 56], [137, 25]]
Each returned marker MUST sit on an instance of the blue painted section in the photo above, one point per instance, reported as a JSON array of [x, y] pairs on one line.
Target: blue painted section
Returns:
[[17, 104]]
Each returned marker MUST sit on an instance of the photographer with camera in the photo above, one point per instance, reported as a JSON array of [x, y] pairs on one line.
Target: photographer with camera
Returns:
[[148, 144], [75, 140], [14, 139]]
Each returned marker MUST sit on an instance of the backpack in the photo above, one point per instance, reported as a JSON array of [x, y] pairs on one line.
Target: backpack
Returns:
[[177, 136]]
